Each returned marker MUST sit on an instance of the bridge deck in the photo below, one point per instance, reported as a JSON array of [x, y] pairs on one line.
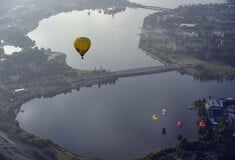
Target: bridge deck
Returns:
[[148, 70]]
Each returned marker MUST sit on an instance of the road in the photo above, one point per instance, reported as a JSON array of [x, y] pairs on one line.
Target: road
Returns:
[[148, 70], [134, 72]]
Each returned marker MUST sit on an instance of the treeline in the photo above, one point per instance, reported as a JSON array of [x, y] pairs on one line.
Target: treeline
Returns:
[[16, 37], [231, 1]]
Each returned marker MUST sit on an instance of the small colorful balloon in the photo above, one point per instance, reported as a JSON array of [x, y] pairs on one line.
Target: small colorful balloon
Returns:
[[155, 117], [180, 124], [202, 124], [164, 111]]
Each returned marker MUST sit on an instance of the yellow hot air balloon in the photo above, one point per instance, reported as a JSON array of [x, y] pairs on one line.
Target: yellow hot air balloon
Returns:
[[155, 117], [82, 45]]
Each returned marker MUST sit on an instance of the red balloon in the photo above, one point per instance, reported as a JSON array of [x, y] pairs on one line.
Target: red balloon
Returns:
[[202, 124], [180, 124]]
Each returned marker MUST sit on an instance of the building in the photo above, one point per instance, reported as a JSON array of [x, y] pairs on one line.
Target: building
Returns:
[[215, 110], [215, 103], [188, 25], [221, 109], [19, 91], [229, 105]]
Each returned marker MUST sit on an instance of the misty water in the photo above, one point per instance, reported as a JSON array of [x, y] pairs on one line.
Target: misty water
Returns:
[[114, 40], [115, 121]]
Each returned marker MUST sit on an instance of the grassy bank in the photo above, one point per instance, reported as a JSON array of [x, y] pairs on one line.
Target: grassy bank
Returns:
[[202, 70]]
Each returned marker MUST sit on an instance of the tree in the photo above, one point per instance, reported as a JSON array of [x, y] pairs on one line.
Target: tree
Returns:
[[1, 51], [231, 1]]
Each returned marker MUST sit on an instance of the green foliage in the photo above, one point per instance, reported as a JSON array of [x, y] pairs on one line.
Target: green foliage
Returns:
[[17, 37], [231, 1], [38, 155], [198, 103], [49, 152], [202, 112], [1, 52], [225, 128]]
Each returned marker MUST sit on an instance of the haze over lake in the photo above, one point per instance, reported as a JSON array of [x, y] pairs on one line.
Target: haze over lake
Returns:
[[115, 121], [114, 40]]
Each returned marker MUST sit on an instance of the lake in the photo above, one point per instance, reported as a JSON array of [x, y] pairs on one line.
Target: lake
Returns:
[[115, 121], [114, 40]]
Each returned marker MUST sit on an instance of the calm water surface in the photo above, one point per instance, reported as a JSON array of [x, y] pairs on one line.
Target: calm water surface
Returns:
[[114, 39], [114, 122]]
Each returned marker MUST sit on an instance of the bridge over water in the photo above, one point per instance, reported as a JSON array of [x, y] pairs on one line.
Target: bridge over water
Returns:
[[87, 80], [150, 7], [127, 73], [148, 70], [155, 8]]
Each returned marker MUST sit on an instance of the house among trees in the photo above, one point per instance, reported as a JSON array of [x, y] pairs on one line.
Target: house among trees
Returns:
[[19, 91], [229, 104], [215, 110], [221, 110]]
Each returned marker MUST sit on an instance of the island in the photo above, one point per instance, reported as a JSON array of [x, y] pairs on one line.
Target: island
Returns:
[[201, 35]]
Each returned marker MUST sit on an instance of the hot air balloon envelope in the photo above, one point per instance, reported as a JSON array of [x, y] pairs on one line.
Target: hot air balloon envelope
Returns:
[[164, 111], [202, 124], [180, 124], [155, 117], [82, 45]]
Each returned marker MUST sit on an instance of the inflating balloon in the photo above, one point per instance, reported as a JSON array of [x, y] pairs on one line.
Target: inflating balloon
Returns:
[[164, 111], [155, 117], [82, 45], [180, 124], [202, 124]]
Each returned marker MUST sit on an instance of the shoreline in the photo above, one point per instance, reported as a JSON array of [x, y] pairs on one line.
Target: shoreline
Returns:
[[218, 71]]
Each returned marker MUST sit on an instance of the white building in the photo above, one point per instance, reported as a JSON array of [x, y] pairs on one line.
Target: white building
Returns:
[[20, 90], [190, 34], [189, 25], [215, 103], [215, 110]]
